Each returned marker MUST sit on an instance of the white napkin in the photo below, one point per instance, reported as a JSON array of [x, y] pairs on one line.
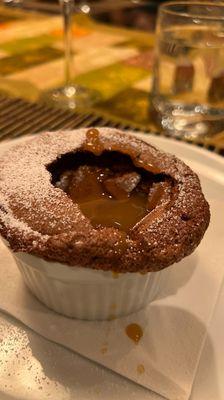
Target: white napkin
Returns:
[[166, 358]]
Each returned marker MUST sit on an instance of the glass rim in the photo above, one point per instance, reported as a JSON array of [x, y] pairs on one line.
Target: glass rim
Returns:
[[164, 8]]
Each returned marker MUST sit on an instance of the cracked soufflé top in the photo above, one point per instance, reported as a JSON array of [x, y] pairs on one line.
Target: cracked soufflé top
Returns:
[[100, 198]]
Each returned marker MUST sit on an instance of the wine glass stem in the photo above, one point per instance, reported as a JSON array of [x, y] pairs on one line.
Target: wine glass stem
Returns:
[[67, 9]]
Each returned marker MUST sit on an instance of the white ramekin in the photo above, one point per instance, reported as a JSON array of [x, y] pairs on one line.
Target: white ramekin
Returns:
[[85, 293]]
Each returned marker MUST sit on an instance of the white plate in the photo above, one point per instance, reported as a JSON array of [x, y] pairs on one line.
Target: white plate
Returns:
[[33, 368]]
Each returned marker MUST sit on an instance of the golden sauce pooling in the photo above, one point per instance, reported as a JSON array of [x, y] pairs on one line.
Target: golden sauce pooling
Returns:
[[104, 203], [134, 332], [122, 214], [111, 194], [92, 142], [140, 369]]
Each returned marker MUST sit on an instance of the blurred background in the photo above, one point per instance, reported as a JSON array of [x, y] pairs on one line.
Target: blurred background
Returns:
[[111, 59], [129, 13]]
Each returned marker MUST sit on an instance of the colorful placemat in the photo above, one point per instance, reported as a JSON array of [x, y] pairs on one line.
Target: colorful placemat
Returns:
[[114, 63]]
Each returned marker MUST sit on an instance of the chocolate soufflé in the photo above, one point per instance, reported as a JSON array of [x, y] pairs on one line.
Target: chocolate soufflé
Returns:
[[100, 198]]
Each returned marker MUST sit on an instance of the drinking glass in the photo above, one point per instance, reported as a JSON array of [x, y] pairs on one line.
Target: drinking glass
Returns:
[[70, 95], [188, 87]]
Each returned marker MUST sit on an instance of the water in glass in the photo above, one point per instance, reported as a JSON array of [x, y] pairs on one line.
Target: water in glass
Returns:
[[188, 92]]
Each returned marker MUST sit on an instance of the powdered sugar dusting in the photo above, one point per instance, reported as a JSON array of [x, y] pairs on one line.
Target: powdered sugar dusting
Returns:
[[26, 181], [33, 212]]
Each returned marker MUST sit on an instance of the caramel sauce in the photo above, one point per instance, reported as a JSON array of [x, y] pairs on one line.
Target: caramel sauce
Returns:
[[134, 332], [86, 188], [85, 185], [122, 214], [93, 143], [115, 274], [104, 350], [111, 194], [140, 369], [150, 167]]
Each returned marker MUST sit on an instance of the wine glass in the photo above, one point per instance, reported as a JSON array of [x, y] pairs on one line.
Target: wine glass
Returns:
[[70, 95]]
